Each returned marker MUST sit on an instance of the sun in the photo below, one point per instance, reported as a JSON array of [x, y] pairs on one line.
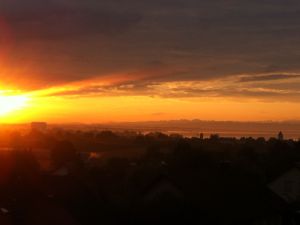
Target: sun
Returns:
[[10, 103]]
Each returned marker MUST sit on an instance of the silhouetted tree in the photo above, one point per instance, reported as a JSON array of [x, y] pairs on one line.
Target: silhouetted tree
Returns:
[[64, 152], [214, 137]]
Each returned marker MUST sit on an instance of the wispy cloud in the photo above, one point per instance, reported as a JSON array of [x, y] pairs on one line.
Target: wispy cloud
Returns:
[[268, 77], [230, 87]]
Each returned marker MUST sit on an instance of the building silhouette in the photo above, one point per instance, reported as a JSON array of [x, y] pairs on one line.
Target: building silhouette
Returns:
[[280, 136]]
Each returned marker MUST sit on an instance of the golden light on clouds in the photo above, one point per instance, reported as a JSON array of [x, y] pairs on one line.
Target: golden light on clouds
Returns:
[[97, 101], [144, 108]]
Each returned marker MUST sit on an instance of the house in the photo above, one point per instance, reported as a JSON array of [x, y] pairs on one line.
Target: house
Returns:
[[287, 186], [161, 188], [160, 201]]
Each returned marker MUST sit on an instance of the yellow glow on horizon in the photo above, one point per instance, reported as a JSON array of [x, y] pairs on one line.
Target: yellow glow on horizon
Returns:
[[11, 103], [141, 108], [168, 101]]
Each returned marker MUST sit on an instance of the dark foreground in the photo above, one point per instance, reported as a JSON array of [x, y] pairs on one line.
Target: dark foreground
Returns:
[[99, 177]]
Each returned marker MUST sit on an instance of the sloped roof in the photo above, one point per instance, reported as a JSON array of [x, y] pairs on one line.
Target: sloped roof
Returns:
[[287, 186]]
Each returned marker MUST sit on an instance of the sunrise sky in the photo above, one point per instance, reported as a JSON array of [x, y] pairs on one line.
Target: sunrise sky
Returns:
[[135, 60]]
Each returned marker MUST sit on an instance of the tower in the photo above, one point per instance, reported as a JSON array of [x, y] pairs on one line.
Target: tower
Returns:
[[280, 136]]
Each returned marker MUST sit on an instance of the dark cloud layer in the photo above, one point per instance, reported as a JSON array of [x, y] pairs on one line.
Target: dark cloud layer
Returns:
[[60, 41], [268, 77], [65, 23]]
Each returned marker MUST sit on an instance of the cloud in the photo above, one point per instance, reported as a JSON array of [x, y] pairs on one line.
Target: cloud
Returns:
[[62, 23], [220, 88], [268, 77], [59, 42]]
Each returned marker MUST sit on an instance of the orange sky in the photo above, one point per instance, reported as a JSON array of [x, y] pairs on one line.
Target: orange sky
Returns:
[[125, 107], [110, 60]]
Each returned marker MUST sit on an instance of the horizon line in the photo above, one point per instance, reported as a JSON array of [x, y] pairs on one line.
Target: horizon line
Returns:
[[154, 121]]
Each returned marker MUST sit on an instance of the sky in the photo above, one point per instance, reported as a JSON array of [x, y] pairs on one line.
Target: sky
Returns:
[[136, 60]]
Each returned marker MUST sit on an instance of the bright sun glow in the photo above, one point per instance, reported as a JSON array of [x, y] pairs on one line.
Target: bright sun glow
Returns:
[[12, 103]]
